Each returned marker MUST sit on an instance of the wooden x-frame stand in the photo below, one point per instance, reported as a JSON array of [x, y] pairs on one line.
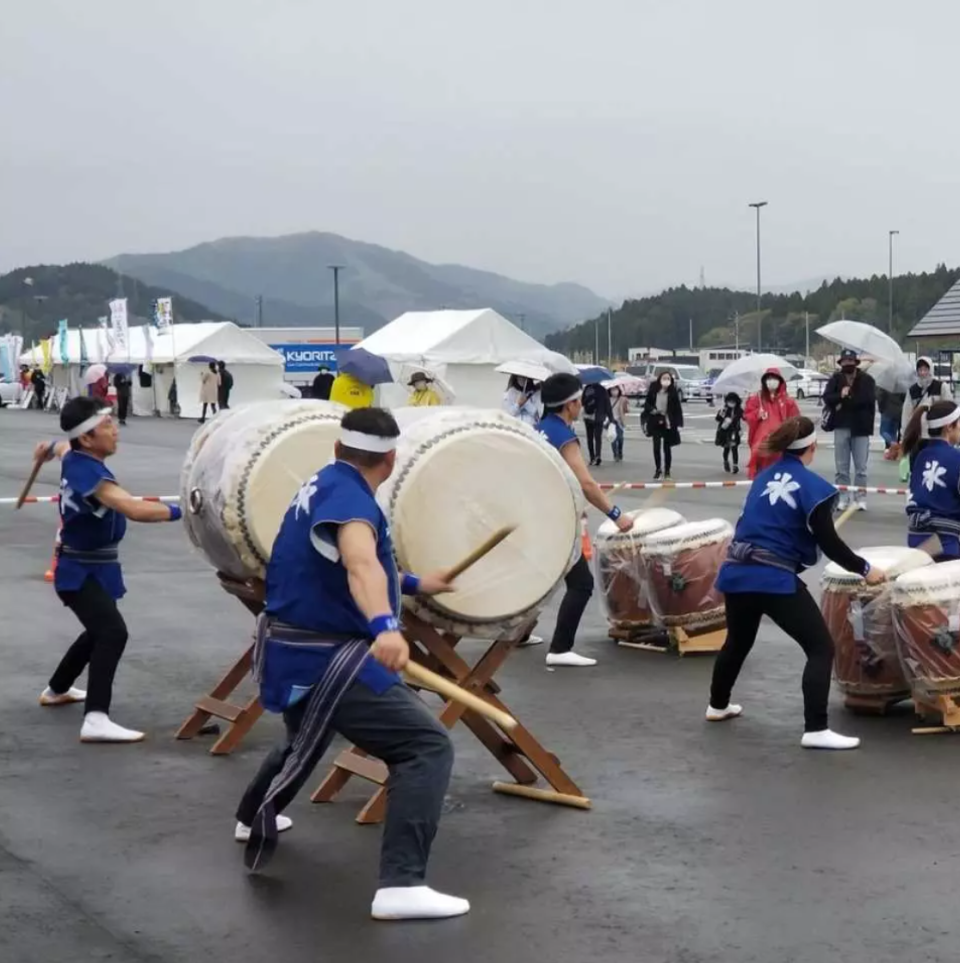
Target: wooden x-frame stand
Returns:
[[517, 751]]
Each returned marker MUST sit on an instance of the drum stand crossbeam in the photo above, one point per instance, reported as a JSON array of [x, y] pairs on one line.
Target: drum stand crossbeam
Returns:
[[518, 751], [946, 706]]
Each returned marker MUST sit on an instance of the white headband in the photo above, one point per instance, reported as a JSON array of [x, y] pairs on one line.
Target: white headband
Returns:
[[804, 442], [574, 397], [364, 442], [926, 424], [89, 424]]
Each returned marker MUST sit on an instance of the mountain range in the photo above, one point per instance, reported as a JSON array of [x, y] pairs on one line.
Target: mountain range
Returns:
[[292, 275]]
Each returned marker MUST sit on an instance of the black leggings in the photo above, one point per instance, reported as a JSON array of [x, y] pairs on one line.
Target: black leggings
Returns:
[[100, 645], [731, 452], [659, 440], [799, 616], [594, 431], [579, 582], [213, 410]]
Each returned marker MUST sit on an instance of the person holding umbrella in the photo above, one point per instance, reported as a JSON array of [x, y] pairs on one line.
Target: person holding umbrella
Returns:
[[209, 390], [422, 396], [359, 372], [121, 381]]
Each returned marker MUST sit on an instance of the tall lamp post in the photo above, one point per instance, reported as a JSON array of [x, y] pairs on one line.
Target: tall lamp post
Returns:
[[890, 279], [758, 205], [336, 268]]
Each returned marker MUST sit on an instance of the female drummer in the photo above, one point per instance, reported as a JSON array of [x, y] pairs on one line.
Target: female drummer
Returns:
[[933, 507], [787, 516], [93, 513]]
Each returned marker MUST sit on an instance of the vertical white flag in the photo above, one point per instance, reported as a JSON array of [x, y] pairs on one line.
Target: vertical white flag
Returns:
[[164, 314], [104, 338], [118, 322]]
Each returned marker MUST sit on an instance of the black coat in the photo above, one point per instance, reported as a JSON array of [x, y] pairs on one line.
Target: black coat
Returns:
[[322, 385], [596, 404], [729, 437], [653, 421], [858, 409]]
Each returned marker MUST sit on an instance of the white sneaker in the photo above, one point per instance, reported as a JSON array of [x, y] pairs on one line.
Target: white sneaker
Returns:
[[50, 698], [843, 502], [531, 640], [719, 715], [97, 727], [416, 903], [862, 503], [242, 833], [828, 739], [569, 658]]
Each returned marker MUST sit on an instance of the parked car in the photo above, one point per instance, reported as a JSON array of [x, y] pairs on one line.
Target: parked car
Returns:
[[807, 383], [691, 382], [9, 392]]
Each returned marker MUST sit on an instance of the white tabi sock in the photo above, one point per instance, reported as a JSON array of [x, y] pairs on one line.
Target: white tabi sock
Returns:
[[50, 698], [719, 715], [573, 659], [97, 727], [242, 833], [415, 903], [827, 739]]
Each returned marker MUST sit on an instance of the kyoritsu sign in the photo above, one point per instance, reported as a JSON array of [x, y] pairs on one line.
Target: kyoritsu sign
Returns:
[[306, 357]]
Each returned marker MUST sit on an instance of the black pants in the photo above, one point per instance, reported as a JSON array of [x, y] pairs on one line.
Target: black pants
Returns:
[[594, 431], [123, 405], [659, 440], [799, 616], [398, 728], [579, 582], [100, 645], [213, 410], [731, 453]]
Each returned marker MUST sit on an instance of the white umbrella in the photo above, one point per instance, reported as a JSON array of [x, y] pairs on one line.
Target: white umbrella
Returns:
[[558, 363], [743, 375], [892, 376], [407, 371], [94, 373], [864, 339], [527, 369]]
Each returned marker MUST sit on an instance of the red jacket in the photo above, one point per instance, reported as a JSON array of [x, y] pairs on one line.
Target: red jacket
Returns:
[[764, 414]]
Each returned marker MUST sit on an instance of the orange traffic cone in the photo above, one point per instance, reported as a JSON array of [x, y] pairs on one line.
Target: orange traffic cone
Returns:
[[586, 546], [50, 572]]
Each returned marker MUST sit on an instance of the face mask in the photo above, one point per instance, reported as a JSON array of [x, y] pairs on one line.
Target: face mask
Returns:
[[419, 385], [665, 382], [771, 384], [848, 368]]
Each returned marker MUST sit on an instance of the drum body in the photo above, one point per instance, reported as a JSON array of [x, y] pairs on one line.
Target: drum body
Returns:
[[243, 470], [680, 566], [619, 566], [461, 474], [860, 618], [926, 613]]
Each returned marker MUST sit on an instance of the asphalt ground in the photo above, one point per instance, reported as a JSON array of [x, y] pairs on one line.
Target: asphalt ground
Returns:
[[705, 843]]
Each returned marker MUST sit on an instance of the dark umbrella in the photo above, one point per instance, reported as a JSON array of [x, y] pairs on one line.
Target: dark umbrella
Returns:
[[365, 367], [201, 359], [594, 375]]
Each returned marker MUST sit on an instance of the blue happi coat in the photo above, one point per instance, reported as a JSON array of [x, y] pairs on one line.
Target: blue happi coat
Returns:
[[933, 506]]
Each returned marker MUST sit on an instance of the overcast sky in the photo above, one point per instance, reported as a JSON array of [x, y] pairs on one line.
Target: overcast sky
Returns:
[[616, 142]]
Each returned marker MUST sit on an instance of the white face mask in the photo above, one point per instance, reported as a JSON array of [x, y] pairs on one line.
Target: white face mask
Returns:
[[771, 384]]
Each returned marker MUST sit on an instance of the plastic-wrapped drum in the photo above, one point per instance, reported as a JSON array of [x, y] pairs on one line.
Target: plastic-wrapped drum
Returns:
[[243, 470], [619, 567], [461, 474]]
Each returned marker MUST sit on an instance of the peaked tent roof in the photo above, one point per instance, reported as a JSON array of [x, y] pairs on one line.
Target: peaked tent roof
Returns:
[[454, 337], [942, 319]]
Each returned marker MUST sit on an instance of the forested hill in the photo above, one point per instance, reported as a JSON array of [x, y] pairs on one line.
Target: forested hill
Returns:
[[663, 321], [34, 299]]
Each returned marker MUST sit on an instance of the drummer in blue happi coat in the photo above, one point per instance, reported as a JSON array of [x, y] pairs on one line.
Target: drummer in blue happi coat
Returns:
[[933, 507], [328, 654], [786, 521], [93, 513]]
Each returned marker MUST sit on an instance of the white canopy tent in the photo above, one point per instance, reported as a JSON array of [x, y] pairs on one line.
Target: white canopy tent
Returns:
[[257, 369], [463, 347]]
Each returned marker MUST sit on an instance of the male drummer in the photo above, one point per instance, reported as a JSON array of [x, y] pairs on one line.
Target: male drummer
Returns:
[[560, 395], [328, 654], [93, 512]]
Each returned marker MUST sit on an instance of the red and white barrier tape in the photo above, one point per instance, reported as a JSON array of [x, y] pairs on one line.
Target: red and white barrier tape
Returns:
[[53, 499]]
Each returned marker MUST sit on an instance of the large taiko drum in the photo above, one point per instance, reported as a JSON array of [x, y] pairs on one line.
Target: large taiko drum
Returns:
[[926, 613], [241, 473], [866, 665], [619, 568], [681, 565], [461, 474]]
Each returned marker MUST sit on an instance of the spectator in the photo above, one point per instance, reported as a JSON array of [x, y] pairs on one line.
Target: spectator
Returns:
[[596, 417], [765, 412], [926, 391], [39, 381], [890, 404], [100, 390], [323, 383], [850, 403], [619, 406], [662, 420], [729, 419], [122, 383], [422, 396], [522, 400], [225, 387], [209, 390], [351, 392]]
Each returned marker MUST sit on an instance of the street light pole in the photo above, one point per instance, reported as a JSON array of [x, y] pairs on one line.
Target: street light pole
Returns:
[[890, 279], [609, 336], [758, 205], [336, 268], [806, 323], [596, 340]]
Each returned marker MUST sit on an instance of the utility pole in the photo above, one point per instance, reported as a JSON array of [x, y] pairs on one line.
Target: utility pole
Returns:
[[691, 336], [521, 317], [336, 268], [736, 331], [596, 340], [806, 322], [758, 205], [609, 336], [259, 300], [890, 278]]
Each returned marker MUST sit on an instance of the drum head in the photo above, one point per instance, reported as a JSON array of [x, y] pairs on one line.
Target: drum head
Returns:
[[883, 558], [933, 583], [646, 521], [689, 535]]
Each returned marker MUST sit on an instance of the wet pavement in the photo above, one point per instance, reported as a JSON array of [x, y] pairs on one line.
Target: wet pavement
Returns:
[[706, 844]]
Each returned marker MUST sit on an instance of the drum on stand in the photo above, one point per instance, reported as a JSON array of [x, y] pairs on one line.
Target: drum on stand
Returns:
[[619, 566], [461, 474], [243, 470], [681, 565], [866, 663], [926, 613]]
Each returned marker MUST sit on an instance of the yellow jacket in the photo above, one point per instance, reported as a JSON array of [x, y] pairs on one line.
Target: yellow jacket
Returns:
[[424, 399], [346, 390]]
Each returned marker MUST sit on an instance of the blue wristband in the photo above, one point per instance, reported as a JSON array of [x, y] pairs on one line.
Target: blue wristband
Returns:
[[175, 513], [614, 513], [409, 584], [383, 623]]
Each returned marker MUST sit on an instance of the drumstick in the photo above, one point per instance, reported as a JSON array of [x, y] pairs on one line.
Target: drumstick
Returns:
[[488, 546], [846, 514], [451, 690], [37, 465]]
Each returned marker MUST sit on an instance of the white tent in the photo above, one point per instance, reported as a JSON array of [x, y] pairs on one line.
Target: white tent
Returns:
[[257, 369], [463, 347]]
